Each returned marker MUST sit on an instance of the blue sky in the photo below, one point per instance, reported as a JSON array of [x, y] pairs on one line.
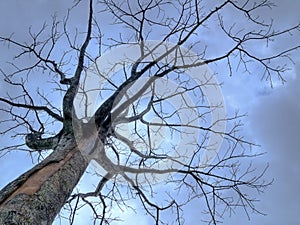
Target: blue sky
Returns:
[[273, 116]]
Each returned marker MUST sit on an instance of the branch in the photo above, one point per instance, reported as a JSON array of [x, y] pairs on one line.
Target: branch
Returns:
[[35, 141], [34, 107], [74, 81]]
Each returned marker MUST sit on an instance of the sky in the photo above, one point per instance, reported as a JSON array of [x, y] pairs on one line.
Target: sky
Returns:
[[273, 119]]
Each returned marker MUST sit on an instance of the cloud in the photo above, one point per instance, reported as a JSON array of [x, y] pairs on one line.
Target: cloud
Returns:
[[275, 122]]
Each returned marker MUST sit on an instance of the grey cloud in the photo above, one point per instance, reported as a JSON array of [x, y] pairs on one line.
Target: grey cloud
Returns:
[[275, 122], [276, 119]]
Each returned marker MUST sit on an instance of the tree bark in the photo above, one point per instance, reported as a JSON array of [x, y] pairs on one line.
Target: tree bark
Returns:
[[37, 196]]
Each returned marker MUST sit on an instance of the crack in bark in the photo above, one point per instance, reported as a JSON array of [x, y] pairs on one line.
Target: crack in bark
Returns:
[[34, 182], [54, 157]]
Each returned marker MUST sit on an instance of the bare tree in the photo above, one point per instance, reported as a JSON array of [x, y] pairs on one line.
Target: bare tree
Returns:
[[150, 150]]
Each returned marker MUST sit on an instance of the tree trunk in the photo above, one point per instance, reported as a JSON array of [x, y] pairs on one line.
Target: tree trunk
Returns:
[[37, 196]]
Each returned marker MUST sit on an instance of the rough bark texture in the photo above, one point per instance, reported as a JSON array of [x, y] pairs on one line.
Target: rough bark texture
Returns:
[[37, 196]]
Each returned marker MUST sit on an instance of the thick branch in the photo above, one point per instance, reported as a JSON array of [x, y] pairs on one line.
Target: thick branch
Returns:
[[35, 141], [74, 81]]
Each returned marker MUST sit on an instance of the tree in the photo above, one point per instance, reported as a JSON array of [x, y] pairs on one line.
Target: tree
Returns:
[[148, 123]]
